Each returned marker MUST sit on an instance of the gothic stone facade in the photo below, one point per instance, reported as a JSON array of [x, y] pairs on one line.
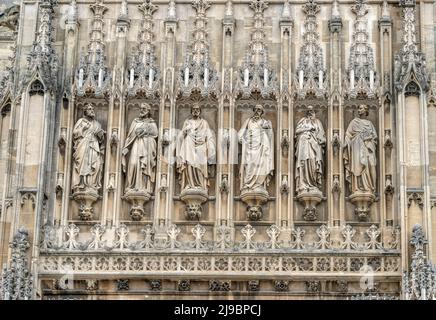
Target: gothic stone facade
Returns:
[[268, 149]]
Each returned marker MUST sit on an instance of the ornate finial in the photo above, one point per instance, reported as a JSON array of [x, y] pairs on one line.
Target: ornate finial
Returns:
[[171, 13], [419, 283], [72, 12], [385, 9], [417, 240], [311, 75], [93, 77], [362, 79], [229, 8], [335, 10], [124, 12], [286, 12], [16, 281], [42, 59], [410, 63], [143, 76], [197, 73], [256, 74]]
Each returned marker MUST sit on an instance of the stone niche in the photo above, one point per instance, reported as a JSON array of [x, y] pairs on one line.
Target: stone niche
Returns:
[[243, 112], [350, 112], [102, 116], [209, 112]]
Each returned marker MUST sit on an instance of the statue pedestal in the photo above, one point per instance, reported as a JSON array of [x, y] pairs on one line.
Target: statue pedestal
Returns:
[[193, 198], [137, 198], [85, 197], [254, 199], [362, 202], [310, 200]]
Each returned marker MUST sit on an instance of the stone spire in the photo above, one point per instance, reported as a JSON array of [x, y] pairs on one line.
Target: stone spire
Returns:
[[124, 12], [286, 11], [256, 74], [229, 8], [362, 79], [311, 74], [171, 12], [16, 281], [144, 76], [42, 60], [409, 61], [93, 77], [197, 74], [72, 12]]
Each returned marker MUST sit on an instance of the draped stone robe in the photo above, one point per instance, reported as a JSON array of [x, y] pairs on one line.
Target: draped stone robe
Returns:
[[88, 154], [360, 155], [140, 162], [309, 154], [257, 158], [195, 151]]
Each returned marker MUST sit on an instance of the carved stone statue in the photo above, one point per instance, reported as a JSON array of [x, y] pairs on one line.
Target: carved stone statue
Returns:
[[257, 160], [139, 161], [195, 151], [309, 154], [360, 161], [88, 138], [139, 152]]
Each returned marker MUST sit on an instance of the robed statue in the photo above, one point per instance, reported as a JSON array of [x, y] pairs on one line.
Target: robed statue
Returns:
[[139, 153], [360, 153], [309, 153], [195, 150], [88, 151], [257, 157]]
